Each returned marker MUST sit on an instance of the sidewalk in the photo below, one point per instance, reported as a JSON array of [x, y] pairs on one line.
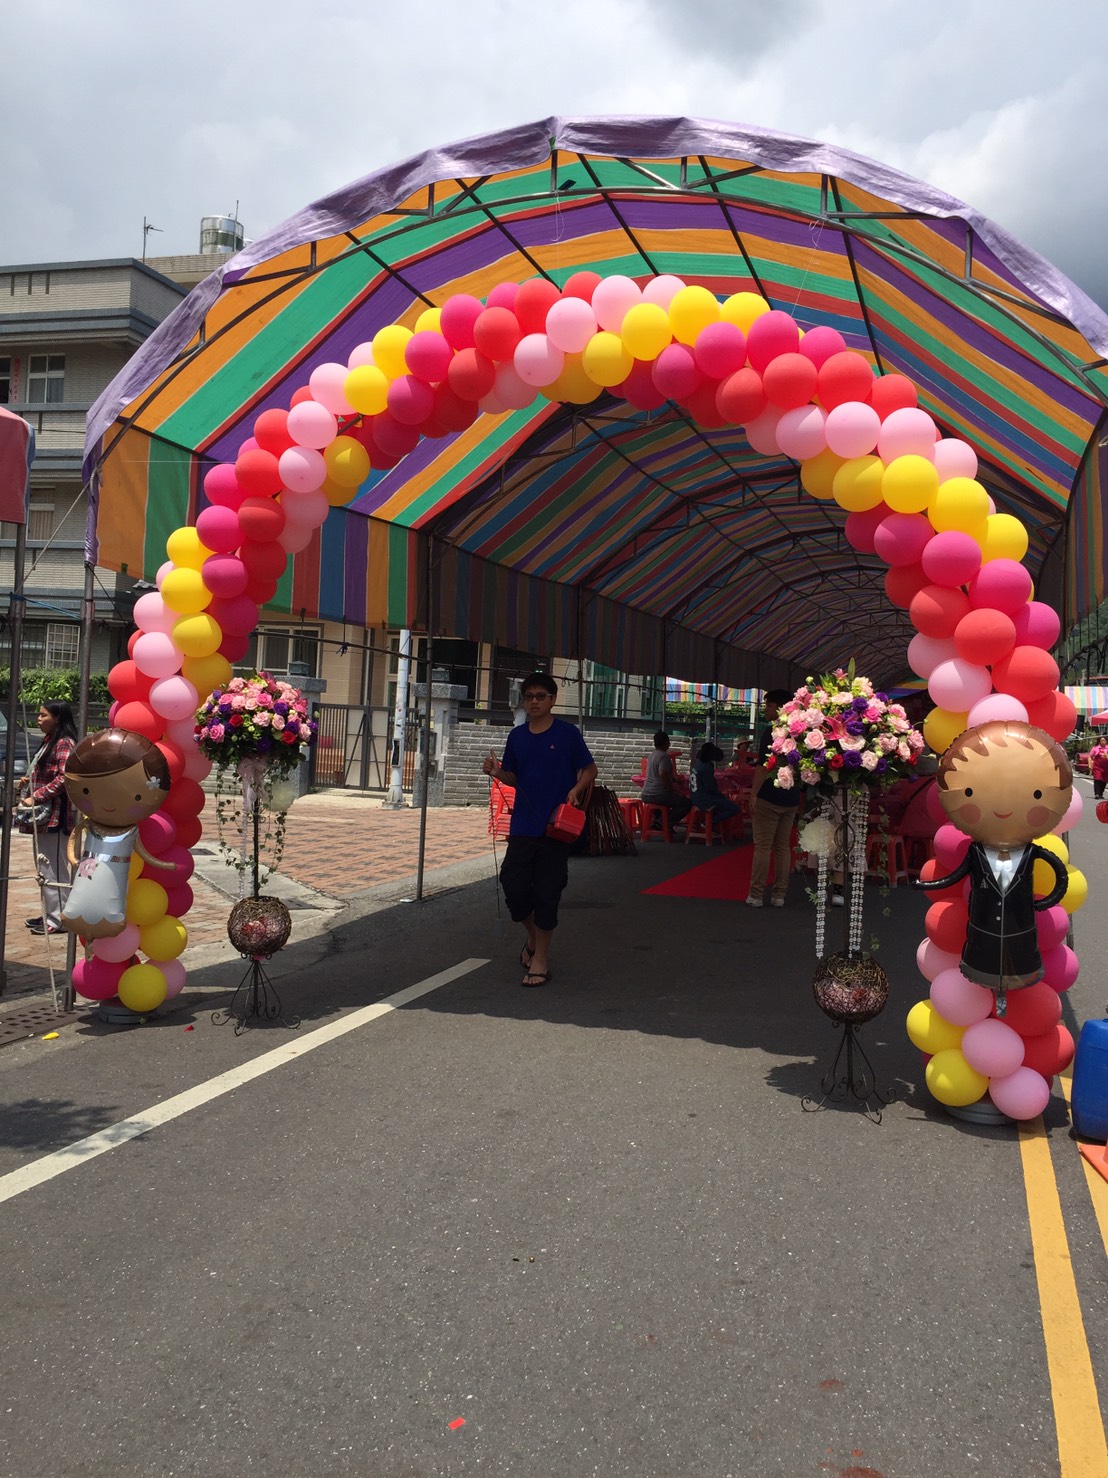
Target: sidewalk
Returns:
[[338, 847]]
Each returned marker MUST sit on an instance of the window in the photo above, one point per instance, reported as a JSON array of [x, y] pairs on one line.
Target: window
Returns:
[[5, 379], [62, 644], [272, 648], [40, 522], [46, 379]]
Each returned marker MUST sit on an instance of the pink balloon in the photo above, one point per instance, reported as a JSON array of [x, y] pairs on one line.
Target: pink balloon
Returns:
[[219, 529], [164, 569], [537, 361], [570, 324], [662, 290], [120, 947], [410, 399], [820, 343], [174, 697], [960, 1001], [181, 732], [951, 558], [294, 537], [675, 372], [513, 392], [906, 433], [1052, 925], [926, 652], [720, 349], [491, 404], [992, 1048], [158, 832], [197, 765], [957, 685], [1073, 813], [174, 973], [308, 510], [156, 654], [901, 538], [951, 845], [611, 301], [954, 458], [1037, 625], [1060, 967], [761, 433], [1001, 583], [428, 355], [800, 432], [852, 429], [361, 354], [996, 706], [302, 469], [152, 613], [221, 485], [1022, 1094], [503, 295], [312, 425], [326, 384], [459, 313], [99, 978], [225, 575], [772, 334], [932, 961]]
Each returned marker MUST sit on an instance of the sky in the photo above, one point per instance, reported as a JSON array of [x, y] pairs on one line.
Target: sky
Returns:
[[125, 110]]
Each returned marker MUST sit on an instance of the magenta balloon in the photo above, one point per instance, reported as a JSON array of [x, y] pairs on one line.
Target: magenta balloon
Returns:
[[118, 948], [1037, 625], [675, 372], [908, 432], [183, 863], [100, 978], [862, 527], [459, 313], [156, 654], [428, 356], [536, 360], [411, 400], [1052, 925], [1060, 967], [312, 425], [951, 558], [957, 685], [1022, 1094], [237, 615], [1001, 583], [179, 898], [954, 458], [818, 344], [1073, 813], [958, 1000], [852, 429], [158, 832], [221, 485], [926, 652], [901, 538], [992, 1048], [720, 350], [219, 529], [951, 845], [152, 614], [225, 575], [772, 334], [173, 697], [302, 469], [113, 712], [996, 706], [932, 961], [503, 295], [800, 432]]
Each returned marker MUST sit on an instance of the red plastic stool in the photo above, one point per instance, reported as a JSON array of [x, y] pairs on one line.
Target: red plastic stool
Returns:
[[886, 855], [651, 814], [631, 809]]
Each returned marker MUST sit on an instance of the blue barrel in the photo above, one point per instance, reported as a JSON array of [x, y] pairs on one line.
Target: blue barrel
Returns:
[[1089, 1094]]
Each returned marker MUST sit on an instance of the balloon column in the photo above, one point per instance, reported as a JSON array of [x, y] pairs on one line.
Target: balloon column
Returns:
[[862, 442]]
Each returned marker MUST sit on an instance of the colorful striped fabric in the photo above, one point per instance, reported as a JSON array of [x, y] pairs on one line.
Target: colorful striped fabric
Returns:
[[637, 539], [1088, 697]]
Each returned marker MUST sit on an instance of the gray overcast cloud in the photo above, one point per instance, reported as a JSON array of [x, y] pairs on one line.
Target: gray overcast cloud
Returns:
[[122, 109]]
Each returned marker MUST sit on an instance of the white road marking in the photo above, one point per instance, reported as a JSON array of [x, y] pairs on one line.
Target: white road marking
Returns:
[[83, 1150]]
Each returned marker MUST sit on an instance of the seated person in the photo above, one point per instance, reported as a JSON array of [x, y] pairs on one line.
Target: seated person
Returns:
[[742, 755], [658, 787], [706, 794]]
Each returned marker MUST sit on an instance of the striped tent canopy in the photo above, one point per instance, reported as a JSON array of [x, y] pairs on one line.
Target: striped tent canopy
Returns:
[[680, 692], [1089, 697], [638, 539]]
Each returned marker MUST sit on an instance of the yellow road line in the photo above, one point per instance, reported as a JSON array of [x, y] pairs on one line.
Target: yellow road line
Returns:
[[1077, 1419], [1098, 1186]]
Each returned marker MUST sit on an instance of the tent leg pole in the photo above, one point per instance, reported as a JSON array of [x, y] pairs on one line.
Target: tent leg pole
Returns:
[[16, 604]]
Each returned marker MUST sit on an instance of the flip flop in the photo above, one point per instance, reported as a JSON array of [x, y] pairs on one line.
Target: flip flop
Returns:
[[536, 977], [526, 955]]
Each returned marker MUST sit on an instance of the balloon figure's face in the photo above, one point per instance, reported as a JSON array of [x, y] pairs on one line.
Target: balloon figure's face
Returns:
[[1005, 784], [115, 802]]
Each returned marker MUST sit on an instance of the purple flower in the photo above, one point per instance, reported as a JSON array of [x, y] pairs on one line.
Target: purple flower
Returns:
[[881, 697], [882, 765], [263, 744], [855, 726], [860, 705], [281, 707], [852, 759], [793, 757]]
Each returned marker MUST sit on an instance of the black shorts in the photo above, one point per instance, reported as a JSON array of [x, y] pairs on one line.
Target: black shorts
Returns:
[[533, 875]]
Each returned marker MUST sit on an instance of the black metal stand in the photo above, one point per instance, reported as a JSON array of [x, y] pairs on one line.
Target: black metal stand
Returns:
[[858, 1081]]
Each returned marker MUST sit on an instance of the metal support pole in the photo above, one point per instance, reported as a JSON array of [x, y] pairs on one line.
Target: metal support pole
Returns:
[[16, 604], [395, 798], [426, 766]]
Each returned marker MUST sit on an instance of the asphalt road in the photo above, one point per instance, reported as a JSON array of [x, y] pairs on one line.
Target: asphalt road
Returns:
[[546, 1234]]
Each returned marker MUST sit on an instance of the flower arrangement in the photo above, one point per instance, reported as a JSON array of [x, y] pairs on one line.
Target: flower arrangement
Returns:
[[838, 729], [255, 718]]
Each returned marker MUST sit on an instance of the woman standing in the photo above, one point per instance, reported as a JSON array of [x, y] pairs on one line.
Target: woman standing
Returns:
[[44, 786]]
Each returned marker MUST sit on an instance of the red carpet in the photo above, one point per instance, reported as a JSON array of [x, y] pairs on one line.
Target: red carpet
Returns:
[[726, 876]]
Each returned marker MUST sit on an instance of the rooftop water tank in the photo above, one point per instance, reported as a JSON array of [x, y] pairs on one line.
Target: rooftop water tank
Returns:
[[220, 235]]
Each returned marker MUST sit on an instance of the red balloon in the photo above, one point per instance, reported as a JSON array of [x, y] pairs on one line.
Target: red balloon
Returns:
[[471, 374], [789, 381], [258, 474], [459, 313], [985, 636], [189, 832], [452, 411], [392, 436], [844, 377], [639, 389], [581, 285], [174, 759], [902, 582], [185, 799], [892, 393], [742, 397], [934, 807], [128, 684], [134, 636], [266, 561], [937, 609], [533, 302], [140, 719], [946, 925], [411, 400], [1028, 673], [271, 431], [1050, 1053], [861, 528], [1033, 1010], [261, 519], [496, 334], [300, 396], [237, 614], [702, 405], [931, 870], [235, 644], [1056, 713]]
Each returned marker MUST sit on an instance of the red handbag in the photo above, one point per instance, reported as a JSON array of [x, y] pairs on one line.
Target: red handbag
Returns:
[[566, 823]]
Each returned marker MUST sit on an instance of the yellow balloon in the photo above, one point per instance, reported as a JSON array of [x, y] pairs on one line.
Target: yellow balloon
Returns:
[[605, 358], [646, 331], [185, 549], [927, 1030], [941, 728], [206, 673], [742, 309], [692, 309], [1004, 538], [1055, 844], [337, 496], [910, 484], [389, 344], [197, 636], [347, 462], [961, 504], [142, 988], [952, 1081], [573, 384], [184, 591], [1077, 891], [134, 868], [367, 389], [164, 939], [857, 484], [146, 901], [429, 321], [817, 474]]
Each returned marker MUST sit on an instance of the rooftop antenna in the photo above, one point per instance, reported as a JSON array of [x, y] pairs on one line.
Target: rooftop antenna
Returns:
[[146, 230]]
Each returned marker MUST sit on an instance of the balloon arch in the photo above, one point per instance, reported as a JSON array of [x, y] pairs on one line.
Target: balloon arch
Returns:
[[862, 442]]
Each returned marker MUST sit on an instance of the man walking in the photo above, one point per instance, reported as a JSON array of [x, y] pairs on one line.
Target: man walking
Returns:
[[547, 763]]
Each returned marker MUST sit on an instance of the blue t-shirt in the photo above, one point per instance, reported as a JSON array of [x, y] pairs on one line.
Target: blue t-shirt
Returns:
[[545, 766]]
